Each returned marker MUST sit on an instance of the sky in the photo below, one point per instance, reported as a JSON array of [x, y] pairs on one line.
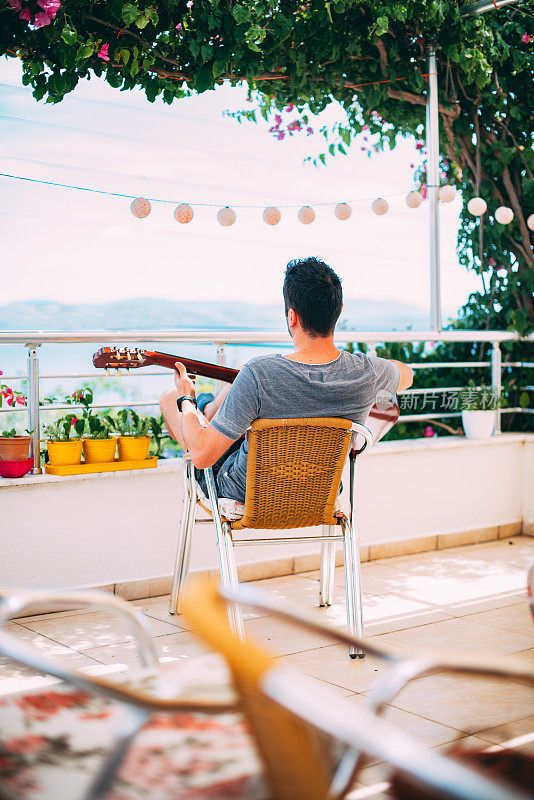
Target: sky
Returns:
[[74, 246]]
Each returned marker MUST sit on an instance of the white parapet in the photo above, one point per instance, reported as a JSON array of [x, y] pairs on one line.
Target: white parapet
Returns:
[[121, 528]]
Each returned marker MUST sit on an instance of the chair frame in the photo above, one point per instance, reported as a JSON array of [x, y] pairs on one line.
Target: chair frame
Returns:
[[226, 543]]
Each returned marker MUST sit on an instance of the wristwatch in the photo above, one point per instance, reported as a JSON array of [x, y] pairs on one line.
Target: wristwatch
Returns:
[[189, 397]]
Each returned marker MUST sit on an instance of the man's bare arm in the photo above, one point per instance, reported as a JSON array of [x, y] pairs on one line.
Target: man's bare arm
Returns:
[[406, 375]]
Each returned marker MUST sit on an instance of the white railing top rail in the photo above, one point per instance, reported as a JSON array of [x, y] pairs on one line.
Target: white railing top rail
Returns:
[[207, 336]]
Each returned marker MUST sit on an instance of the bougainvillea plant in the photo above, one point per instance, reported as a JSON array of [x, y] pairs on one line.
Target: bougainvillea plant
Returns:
[[298, 57], [11, 396]]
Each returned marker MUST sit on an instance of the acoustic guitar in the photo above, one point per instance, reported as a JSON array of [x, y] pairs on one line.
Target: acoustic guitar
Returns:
[[382, 416]]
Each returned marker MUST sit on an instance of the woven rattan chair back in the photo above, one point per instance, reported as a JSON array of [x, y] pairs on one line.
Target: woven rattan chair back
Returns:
[[294, 469]]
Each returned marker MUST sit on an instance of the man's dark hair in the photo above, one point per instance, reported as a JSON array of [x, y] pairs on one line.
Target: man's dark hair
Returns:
[[313, 291]]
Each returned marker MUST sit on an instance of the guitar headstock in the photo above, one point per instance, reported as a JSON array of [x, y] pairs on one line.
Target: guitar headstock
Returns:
[[120, 358]]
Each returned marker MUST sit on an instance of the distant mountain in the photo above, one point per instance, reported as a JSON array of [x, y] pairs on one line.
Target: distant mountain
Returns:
[[153, 313]]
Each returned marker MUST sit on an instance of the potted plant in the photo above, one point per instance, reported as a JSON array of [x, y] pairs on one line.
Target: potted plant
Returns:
[[13, 446], [64, 443], [98, 447], [134, 441], [479, 405]]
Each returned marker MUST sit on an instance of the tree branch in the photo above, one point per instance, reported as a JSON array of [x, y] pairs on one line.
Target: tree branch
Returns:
[[420, 100], [136, 36], [518, 211]]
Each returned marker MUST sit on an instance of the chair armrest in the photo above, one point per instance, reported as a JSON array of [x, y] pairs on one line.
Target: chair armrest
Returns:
[[361, 430], [11, 605]]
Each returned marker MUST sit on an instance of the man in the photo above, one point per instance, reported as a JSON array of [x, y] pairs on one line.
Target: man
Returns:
[[314, 380]]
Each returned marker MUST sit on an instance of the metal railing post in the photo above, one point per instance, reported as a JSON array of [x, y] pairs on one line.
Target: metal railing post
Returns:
[[221, 359], [496, 384], [33, 406], [432, 178]]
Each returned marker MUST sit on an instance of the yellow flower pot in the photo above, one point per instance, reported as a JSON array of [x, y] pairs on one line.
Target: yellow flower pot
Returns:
[[133, 448], [99, 451], [64, 454]]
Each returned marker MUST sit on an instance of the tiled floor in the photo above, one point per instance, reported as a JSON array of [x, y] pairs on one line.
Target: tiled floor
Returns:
[[464, 598]]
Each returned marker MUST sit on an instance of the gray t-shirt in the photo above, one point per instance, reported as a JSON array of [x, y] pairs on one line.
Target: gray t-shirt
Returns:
[[275, 387]]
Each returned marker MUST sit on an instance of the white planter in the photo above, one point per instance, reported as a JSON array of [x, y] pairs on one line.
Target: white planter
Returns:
[[478, 424]]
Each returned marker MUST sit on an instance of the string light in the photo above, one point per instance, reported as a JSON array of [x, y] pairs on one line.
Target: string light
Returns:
[[306, 215], [380, 206], [140, 207], [272, 215], [477, 206], [447, 193], [183, 213], [342, 211], [530, 222], [226, 216], [504, 215], [414, 199]]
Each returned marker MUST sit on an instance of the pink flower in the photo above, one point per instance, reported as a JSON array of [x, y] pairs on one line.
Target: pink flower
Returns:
[[280, 136], [15, 4], [294, 126], [526, 38], [189, 3], [50, 7], [290, 107], [42, 19], [1, 372], [492, 262], [309, 131], [103, 52], [21, 400], [25, 744], [278, 119], [73, 420], [179, 27], [419, 145], [25, 14], [10, 400], [429, 431], [423, 190]]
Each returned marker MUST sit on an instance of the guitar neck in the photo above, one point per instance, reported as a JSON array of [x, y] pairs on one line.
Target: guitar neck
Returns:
[[202, 368]]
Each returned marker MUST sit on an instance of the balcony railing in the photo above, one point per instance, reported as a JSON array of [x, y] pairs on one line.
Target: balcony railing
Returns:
[[33, 340]]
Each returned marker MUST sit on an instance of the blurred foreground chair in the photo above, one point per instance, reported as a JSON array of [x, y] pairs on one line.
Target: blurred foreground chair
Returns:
[[299, 728], [194, 730], [294, 470]]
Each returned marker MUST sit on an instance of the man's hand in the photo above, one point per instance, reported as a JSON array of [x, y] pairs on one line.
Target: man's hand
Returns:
[[183, 382]]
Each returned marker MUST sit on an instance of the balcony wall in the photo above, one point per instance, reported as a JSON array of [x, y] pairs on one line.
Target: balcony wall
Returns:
[[120, 529]]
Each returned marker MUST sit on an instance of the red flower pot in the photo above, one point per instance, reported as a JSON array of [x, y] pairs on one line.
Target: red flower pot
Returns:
[[15, 469]]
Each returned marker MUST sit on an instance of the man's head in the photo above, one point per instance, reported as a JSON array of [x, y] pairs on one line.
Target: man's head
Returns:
[[313, 291]]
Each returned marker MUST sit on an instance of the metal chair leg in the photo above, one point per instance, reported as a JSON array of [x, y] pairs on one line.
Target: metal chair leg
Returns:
[[327, 573], [237, 622], [226, 554], [183, 551], [353, 587]]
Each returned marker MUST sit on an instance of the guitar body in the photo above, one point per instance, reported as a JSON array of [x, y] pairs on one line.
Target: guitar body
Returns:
[[381, 419]]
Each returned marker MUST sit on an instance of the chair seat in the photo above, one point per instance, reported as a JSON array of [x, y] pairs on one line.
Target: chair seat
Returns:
[[53, 740], [233, 510]]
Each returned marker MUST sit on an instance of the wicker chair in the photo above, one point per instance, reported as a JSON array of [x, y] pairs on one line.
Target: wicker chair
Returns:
[[294, 471]]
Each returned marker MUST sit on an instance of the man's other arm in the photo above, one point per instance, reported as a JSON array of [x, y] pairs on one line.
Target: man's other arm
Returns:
[[406, 375]]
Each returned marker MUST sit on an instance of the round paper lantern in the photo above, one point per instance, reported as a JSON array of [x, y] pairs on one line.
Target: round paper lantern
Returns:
[[447, 193], [530, 222], [342, 211], [183, 213], [504, 215], [140, 207], [272, 215], [477, 206], [414, 199], [226, 216], [306, 215], [380, 206]]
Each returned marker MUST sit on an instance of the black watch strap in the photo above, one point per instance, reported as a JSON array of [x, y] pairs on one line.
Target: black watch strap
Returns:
[[190, 397]]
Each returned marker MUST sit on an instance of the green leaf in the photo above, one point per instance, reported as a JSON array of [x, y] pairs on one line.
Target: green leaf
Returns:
[[69, 35], [218, 68], [240, 14], [382, 25], [85, 51], [142, 21], [130, 13], [203, 79]]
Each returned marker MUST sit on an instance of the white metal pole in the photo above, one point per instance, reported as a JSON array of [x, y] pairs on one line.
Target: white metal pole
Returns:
[[33, 407], [432, 177]]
